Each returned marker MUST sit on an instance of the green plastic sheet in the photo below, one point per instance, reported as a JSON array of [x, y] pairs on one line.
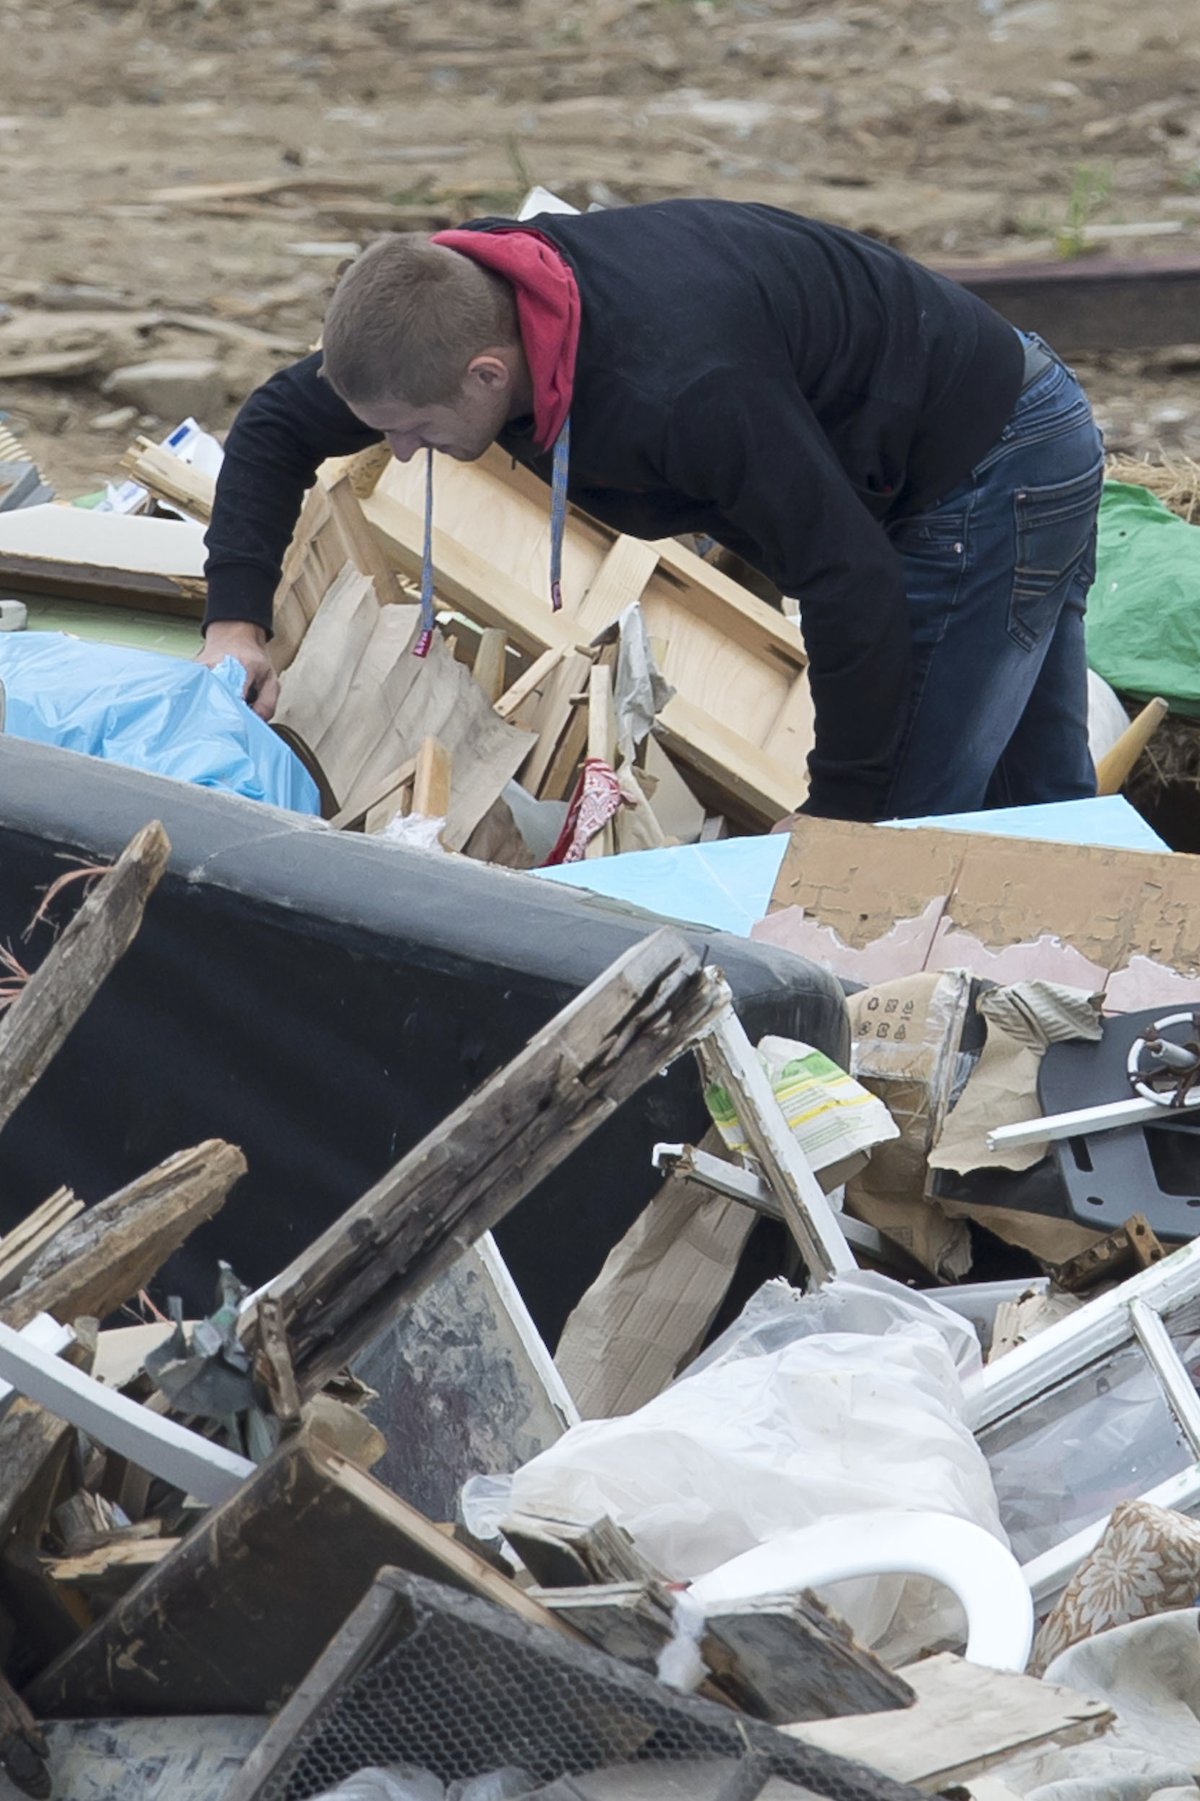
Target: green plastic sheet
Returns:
[[1143, 618]]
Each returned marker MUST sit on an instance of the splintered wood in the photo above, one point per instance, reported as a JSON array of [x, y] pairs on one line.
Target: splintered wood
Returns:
[[109, 1252], [224, 1625], [57, 993], [473, 1168]]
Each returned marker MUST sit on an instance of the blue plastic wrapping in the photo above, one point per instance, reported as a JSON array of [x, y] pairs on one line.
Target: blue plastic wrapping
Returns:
[[150, 712]]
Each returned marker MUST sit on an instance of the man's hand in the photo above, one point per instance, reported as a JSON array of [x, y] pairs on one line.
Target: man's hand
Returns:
[[248, 643]]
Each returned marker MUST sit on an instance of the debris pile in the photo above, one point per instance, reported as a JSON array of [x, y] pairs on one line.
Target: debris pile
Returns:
[[880, 1529]]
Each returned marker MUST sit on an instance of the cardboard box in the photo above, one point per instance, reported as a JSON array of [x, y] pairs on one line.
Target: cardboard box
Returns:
[[873, 904]]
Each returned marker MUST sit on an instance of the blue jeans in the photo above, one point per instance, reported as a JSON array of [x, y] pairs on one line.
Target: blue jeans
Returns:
[[997, 575]]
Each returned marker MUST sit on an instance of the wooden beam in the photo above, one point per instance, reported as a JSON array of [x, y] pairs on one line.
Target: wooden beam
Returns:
[[106, 1254], [108, 1571], [467, 1174], [1094, 302], [620, 580], [431, 780], [630, 1620], [490, 661], [62, 987], [531, 681], [560, 1554]]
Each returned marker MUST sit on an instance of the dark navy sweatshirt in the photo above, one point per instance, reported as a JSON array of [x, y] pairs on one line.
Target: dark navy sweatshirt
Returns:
[[788, 388]]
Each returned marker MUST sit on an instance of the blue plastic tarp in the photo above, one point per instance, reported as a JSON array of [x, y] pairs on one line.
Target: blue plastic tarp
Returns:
[[150, 712]]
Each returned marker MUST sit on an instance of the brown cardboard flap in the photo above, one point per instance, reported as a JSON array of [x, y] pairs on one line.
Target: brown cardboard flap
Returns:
[[874, 903]]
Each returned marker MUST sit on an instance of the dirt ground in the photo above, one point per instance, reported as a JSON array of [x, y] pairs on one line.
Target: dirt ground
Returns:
[[953, 128]]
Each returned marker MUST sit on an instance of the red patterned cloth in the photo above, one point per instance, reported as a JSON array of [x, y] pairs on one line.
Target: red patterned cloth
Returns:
[[596, 799]]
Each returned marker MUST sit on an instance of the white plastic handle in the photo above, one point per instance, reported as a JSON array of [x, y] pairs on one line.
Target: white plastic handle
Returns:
[[976, 1567]]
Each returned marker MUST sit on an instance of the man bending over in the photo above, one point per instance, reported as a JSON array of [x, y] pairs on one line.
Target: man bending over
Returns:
[[923, 478]]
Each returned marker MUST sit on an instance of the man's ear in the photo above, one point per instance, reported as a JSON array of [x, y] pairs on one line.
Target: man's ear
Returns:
[[489, 370]]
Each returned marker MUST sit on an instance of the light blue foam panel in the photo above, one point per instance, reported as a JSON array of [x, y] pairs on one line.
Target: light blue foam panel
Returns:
[[1107, 822], [725, 885]]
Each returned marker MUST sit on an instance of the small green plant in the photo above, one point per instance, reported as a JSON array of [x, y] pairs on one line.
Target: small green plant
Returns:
[[517, 163], [1090, 190]]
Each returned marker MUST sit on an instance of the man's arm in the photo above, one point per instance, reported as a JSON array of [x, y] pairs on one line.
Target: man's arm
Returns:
[[760, 457], [278, 441]]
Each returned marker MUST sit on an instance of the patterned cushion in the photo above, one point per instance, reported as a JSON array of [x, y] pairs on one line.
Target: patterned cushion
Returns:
[[1148, 1561]]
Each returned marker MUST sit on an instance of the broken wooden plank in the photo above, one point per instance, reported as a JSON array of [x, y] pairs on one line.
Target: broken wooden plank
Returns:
[[34, 1449], [560, 721], [780, 1658], [236, 1615], [261, 187], [27, 1239], [492, 1150], [62, 987], [529, 683], [785, 1657], [330, 533], [965, 1719], [168, 478], [564, 1554], [101, 1576], [106, 1254], [629, 1620], [274, 1365]]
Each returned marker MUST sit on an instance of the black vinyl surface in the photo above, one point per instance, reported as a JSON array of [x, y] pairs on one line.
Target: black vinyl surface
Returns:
[[323, 1001]]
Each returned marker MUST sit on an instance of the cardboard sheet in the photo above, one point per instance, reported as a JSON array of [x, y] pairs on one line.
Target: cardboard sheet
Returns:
[[877, 904]]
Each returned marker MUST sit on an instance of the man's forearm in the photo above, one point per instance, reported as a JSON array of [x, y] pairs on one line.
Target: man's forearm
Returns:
[[278, 441]]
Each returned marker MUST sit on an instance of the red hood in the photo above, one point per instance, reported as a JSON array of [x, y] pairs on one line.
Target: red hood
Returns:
[[548, 313]]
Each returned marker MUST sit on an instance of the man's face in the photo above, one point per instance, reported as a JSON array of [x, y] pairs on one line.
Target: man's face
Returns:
[[462, 429]]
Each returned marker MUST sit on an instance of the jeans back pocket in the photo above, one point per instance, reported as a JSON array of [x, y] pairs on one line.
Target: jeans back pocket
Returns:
[[1055, 541]]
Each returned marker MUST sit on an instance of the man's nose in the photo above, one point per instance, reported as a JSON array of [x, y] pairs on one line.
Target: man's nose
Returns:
[[403, 445]]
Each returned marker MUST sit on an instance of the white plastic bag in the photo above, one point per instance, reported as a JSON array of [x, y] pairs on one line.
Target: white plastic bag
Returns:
[[859, 1301], [398, 1782], [784, 1426]]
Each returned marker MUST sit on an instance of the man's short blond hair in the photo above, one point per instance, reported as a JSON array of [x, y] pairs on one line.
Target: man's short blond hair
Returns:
[[406, 319]]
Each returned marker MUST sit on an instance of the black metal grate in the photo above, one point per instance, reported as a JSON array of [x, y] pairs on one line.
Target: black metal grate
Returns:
[[460, 1687]]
